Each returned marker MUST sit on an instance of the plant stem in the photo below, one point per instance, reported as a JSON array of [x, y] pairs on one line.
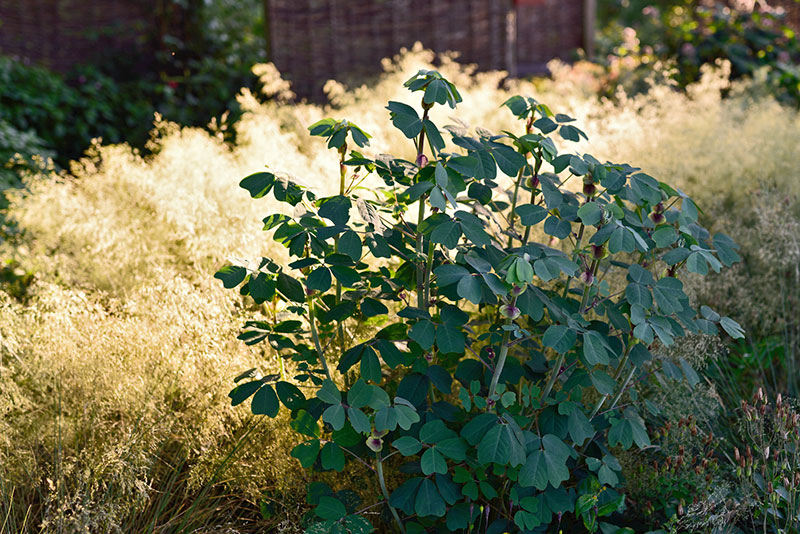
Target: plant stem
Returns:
[[551, 381], [427, 278], [501, 361], [512, 215], [421, 304], [342, 176], [315, 336], [382, 481], [574, 257], [533, 191], [587, 289]]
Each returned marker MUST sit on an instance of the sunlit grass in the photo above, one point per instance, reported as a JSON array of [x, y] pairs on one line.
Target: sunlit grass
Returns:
[[114, 372]]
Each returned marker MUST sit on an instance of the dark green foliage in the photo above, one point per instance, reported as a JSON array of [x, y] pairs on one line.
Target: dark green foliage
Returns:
[[499, 381]]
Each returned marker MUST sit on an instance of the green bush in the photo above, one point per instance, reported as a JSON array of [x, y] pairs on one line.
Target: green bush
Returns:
[[443, 332], [687, 34]]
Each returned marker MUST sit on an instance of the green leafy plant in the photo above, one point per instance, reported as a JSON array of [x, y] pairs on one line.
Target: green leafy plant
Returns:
[[431, 332]]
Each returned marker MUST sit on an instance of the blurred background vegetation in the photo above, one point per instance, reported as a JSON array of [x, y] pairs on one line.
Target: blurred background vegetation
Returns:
[[117, 347]]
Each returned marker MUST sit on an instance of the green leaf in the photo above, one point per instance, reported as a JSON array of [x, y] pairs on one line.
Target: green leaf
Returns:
[[350, 244], [359, 420], [319, 279], [261, 288], [290, 395], [621, 240], [726, 249], [404, 497], [335, 416], [407, 445], [434, 137], [534, 472], [330, 508], [469, 287], [638, 429], [428, 501], [435, 431], [423, 332], [449, 339], [359, 395], [560, 338], [329, 393], [265, 402], [347, 276], [637, 294], [242, 392], [590, 213], [477, 427], [290, 288], [305, 424], [405, 118], [620, 433], [594, 350], [509, 160], [231, 276], [447, 233], [603, 383], [332, 457], [433, 462], [606, 476], [556, 227], [665, 236], [370, 366], [258, 184], [436, 91], [390, 353], [579, 426], [306, 452], [732, 328], [453, 448], [500, 446], [371, 307], [531, 214], [336, 209]]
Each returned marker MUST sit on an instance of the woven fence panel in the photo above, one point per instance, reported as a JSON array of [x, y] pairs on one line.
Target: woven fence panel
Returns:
[[61, 33], [317, 40], [551, 29]]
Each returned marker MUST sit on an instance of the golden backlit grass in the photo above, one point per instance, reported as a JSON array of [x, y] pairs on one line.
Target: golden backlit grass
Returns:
[[114, 371]]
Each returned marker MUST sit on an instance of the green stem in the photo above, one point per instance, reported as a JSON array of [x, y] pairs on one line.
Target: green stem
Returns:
[[512, 215], [315, 336], [382, 481], [587, 289], [574, 257], [427, 278], [501, 361], [551, 381], [342, 177], [533, 191], [420, 218], [421, 304]]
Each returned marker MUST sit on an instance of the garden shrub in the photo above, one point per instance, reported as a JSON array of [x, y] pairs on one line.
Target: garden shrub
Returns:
[[490, 378], [688, 34]]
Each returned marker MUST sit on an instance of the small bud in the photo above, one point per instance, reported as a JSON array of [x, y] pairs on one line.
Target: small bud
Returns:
[[599, 252], [422, 160], [374, 444], [736, 453], [587, 277], [490, 352], [532, 182], [490, 403], [657, 218], [509, 312], [518, 290], [590, 190], [379, 435]]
